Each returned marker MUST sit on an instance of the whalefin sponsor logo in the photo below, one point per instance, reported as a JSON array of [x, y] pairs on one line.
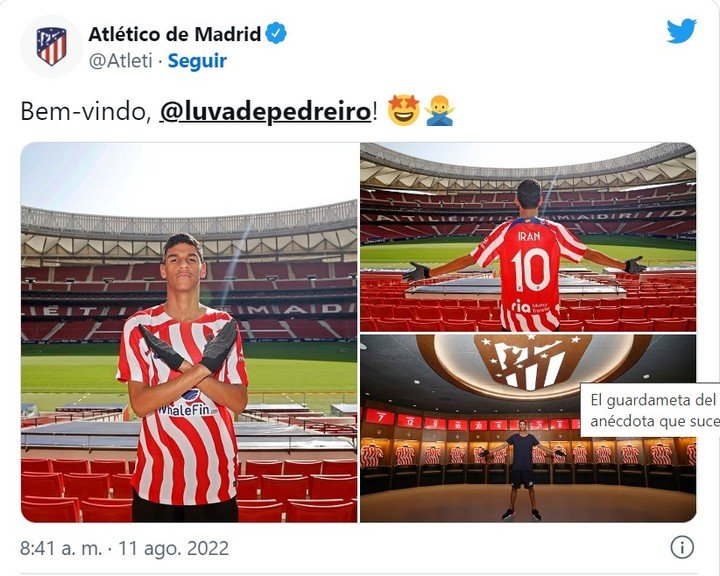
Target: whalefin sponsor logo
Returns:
[[533, 361]]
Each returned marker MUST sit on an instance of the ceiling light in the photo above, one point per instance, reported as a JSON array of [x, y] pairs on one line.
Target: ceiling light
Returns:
[[416, 381], [646, 376]]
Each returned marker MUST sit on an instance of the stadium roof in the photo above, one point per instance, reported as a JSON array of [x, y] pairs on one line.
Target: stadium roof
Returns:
[[318, 232], [381, 167]]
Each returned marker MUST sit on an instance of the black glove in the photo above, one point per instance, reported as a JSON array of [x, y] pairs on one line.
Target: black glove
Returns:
[[559, 453], [162, 349], [420, 273], [632, 266], [217, 349]]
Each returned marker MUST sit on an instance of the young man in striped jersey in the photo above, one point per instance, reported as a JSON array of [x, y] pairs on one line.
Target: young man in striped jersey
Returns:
[[185, 371], [529, 249]]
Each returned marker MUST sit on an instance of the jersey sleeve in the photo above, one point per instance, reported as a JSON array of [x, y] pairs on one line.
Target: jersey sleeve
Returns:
[[511, 440], [570, 246], [534, 440], [132, 359], [233, 370], [488, 249]]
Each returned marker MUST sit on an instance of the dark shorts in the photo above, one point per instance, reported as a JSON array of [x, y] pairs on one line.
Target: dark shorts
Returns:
[[146, 511], [522, 477]]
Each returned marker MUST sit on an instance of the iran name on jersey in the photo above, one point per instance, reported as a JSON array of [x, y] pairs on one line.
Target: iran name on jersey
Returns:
[[529, 250], [187, 451]]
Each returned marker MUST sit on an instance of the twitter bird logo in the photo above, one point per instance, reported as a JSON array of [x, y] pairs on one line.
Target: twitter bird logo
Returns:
[[681, 33]]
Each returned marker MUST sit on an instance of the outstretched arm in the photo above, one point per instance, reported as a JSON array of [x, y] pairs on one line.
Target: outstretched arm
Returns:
[[603, 259], [453, 266]]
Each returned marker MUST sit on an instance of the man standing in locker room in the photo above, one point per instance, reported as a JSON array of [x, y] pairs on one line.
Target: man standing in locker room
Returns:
[[184, 367]]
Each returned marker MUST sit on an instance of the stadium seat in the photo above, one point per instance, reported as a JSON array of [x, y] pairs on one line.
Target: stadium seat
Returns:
[[54, 499], [269, 513], [570, 302], [41, 484], [300, 512], [95, 512], [452, 313], [64, 511], [428, 313], [247, 487], [303, 467], [636, 325], [425, 326], [691, 324], [256, 503], [326, 487], [340, 466], [670, 325], [607, 313], [391, 325], [683, 311], [459, 326], [260, 467], [489, 326], [84, 486], [403, 313], [120, 485], [108, 466], [477, 314], [601, 325], [581, 313], [72, 466], [367, 325], [590, 302], [571, 325], [382, 311], [658, 312], [282, 488], [35, 465], [632, 313]]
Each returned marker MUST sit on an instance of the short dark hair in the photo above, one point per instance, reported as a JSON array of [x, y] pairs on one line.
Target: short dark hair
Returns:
[[528, 193], [182, 238], [522, 420]]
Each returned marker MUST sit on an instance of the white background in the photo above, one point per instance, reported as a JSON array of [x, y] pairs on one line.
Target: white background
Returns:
[[515, 71]]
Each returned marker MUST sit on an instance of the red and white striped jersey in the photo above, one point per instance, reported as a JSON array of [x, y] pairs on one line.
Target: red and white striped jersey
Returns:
[[580, 454], [370, 456], [661, 453], [187, 452], [432, 455], [500, 457], [478, 458], [457, 455], [404, 455], [691, 452], [538, 455], [559, 459], [529, 250], [630, 454], [603, 454]]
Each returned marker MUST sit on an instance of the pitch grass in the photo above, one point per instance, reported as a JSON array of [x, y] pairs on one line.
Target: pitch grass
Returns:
[[435, 251], [315, 373]]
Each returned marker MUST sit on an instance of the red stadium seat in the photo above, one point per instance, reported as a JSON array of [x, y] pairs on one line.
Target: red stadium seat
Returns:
[[383, 311], [247, 487], [391, 325], [340, 466], [590, 302], [607, 313], [581, 313], [260, 467], [601, 325], [425, 326], [41, 484], [64, 511], [428, 313], [120, 485], [632, 313], [54, 499], [327, 487], [691, 324], [683, 311], [108, 466], [571, 326], [459, 326], [72, 466], [403, 312], [570, 302], [670, 325], [95, 512], [489, 326], [452, 313], [477, 314], [257, 503], [84, 486], [636, 325], [367, 325], [657, 312], [303, 467], [299, 512], [35, 465], [269, 513], [282, 488]]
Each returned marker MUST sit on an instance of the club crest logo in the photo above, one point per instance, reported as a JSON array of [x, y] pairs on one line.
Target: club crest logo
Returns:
[[51, 45], [531, 362]]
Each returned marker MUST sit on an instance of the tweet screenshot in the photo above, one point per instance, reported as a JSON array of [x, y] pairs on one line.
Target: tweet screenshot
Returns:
[[361, 287]]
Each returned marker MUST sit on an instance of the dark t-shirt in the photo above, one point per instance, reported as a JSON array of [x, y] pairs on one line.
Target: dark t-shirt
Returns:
[[522, 450]]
